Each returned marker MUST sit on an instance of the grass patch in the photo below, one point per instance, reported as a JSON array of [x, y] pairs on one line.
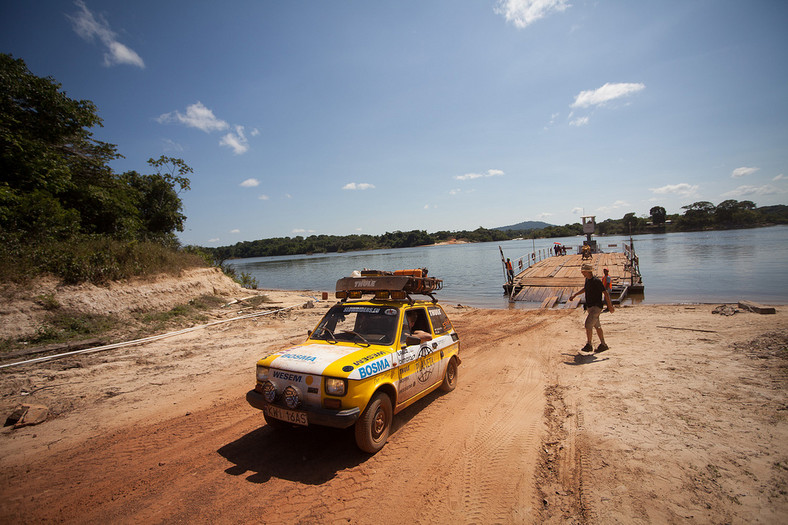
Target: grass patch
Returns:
[[182, 313], [61, 326], [92, 258]]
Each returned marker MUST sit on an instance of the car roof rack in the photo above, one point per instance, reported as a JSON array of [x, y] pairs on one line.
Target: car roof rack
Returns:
[[398, 285]]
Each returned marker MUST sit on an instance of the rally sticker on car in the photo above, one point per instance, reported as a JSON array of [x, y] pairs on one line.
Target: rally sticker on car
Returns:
[[310, 359], [370, 369]]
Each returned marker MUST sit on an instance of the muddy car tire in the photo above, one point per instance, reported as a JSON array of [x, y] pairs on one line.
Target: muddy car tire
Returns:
[[374, 425], [450, 377]]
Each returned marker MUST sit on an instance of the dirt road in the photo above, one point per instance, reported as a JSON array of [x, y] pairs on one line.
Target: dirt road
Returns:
[[669, 425]]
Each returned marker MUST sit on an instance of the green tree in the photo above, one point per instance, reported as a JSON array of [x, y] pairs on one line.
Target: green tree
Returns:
[[55, 175], [698, 215], [658, 215], [157, 199]]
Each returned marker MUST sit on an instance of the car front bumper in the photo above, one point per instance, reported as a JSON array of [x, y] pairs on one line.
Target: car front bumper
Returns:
[[316, 416]]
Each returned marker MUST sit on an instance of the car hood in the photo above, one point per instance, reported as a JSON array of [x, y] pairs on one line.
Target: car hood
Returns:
[[337, 360]]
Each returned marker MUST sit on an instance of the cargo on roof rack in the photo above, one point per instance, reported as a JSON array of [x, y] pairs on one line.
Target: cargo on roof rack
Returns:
[[395, 285]]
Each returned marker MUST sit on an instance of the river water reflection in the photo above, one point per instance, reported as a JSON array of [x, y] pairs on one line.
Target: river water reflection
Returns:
[[694, 267]]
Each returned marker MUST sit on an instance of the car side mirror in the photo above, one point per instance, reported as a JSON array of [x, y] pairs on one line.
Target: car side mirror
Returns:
[[412, 340], [309, 333]]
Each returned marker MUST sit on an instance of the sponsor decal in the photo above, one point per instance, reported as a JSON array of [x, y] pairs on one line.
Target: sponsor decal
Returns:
[[391, 311], [375, 367], [368, 358], [425, 365], [364, 282], [405, 356], [360, 310], [435, 312], [287, 376], [299, 357]]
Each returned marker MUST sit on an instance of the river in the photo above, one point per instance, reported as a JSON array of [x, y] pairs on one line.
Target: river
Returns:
[[693, 267]]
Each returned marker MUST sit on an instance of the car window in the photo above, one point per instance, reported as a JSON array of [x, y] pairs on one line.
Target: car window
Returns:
[[440, 321], [375, 324], [415, 319]]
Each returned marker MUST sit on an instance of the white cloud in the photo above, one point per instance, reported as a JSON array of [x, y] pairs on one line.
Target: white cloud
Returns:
[[471, 176], [87, 26], [608, 92], [170, 145], [616, 205], [255, 132], [523, 13], [301, 230], [215, 239], [196, 116], [236, 141], [544, 216], [580, 121], [743, 171], [235, 231], [682, 189], [250, 183], [359, 186], [455, 191], [264, 197], [743, 191], [577, 211], [288, 196], [779, 177]]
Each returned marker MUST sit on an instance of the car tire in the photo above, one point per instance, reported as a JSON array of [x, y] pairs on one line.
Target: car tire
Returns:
[[374, 425], [450, 377]]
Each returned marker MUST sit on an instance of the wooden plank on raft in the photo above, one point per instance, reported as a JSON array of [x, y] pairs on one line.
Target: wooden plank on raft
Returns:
[[549, 302], [573, 303], [757, 308]]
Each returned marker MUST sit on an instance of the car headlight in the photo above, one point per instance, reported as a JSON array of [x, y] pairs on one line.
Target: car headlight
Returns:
[[262, 373], [269, 391], [335, 387], [290, 395]]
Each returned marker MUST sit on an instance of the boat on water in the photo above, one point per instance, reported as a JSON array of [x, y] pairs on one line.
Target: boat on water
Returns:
[[550, 277]]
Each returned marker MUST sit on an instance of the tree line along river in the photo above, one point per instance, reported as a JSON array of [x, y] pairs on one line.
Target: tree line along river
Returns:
[[691, 267]]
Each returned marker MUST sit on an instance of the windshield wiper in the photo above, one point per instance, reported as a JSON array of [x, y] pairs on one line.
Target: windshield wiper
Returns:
[[356, 334]]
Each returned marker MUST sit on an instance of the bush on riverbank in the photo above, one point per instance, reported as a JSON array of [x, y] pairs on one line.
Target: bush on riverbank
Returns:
[[92, 258]]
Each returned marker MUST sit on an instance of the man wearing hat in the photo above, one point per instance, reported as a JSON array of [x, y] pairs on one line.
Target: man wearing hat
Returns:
[[595, 293]]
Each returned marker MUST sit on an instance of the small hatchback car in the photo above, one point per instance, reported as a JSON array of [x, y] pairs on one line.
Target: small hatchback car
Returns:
[[365, 361]]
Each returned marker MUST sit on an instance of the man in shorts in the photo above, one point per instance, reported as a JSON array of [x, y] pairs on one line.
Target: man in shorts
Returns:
[[596, 297]]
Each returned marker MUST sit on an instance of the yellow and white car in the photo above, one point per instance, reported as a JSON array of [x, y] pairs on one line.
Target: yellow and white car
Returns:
[[365, 361]]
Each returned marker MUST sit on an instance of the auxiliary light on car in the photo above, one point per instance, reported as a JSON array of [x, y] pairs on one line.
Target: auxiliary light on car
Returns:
[[341, 294], [262, 373], [355, 294], [399, 295], [291, 398], [382, 294], [269, 391], [335, 387]]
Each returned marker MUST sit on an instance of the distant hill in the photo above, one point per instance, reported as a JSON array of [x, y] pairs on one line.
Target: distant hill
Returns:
[[527, 225]]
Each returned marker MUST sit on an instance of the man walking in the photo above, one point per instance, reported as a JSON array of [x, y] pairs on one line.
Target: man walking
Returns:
[[595, 293]]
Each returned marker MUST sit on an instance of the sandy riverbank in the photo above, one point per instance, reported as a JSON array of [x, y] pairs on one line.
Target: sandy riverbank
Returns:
[[682, 420]]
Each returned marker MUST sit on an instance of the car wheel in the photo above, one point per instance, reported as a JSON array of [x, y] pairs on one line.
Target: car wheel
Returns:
[[374, 425], [450, 378]]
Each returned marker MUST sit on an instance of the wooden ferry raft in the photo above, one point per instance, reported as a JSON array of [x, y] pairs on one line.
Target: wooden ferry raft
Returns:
[[552, 280]]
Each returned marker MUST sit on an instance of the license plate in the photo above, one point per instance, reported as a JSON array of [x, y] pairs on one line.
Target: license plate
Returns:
[[291, 416]]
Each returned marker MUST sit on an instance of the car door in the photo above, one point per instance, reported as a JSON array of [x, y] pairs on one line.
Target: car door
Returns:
[[418, 364]]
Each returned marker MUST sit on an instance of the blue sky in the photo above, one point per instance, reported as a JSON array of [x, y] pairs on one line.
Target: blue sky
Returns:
[[349, 116]]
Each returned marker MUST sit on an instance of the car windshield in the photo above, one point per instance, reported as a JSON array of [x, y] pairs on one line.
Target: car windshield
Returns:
[[363, 325]]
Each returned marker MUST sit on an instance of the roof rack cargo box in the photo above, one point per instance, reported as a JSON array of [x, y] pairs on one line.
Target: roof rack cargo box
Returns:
[[380, 282]]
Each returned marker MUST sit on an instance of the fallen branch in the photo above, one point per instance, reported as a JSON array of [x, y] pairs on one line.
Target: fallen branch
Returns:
[[690, 329]]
